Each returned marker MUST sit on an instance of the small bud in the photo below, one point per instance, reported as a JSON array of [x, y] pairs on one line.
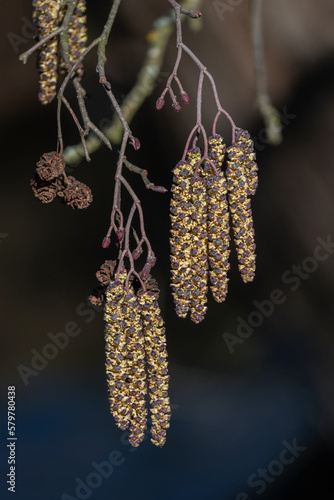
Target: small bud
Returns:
[[176, 106], [151, 260], [136, 253], [146, 270], [136, 143], [160, 103], [106, 242], [158, 189], [120, 234], [184, 97]]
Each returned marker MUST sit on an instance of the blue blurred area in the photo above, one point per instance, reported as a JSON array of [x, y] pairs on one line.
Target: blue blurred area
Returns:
[[223, 429]]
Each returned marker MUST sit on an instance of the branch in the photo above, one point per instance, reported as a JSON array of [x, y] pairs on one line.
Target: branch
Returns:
[[24, 57], [189, 13], [158, 38], [269, 113], [203, 72], [143, 173], [101, 41]]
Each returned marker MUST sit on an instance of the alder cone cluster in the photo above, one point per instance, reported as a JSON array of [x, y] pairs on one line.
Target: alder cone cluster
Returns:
[[47, 181], [204, 199], [50, 181]]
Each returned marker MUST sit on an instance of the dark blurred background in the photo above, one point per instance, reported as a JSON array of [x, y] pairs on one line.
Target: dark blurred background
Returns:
[[234, 413]]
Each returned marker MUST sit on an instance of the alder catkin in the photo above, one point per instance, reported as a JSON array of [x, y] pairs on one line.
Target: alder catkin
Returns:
[[216, 150], [157, 366], [181, 239], [216, 153], [77, 37], [198, 267], [218, 235], [136, 374], [116, 352], [193, 157], [246, 155], [136, 359], [46, 19], [204, 197], [241, 214]]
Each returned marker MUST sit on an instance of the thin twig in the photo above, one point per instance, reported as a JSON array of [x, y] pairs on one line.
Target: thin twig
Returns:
[[24, 57], [189, 13], [203, 71], [158, 38], [270, 114]]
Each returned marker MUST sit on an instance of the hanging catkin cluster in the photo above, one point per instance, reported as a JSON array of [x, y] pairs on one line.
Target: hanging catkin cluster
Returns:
[[203, 198], [136, 361], [48, 16]]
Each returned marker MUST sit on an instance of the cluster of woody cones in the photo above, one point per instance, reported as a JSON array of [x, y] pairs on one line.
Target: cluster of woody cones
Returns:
[[50, 181], [48, 16], [204, 199]]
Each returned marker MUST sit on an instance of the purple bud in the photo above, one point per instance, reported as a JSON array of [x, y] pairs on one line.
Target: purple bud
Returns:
[[160, 103], [120, 234], [146, 270], [136, 143], [136, 253], [106, 242], [159, 189], [151, 261], [184, 97], [176, 106]]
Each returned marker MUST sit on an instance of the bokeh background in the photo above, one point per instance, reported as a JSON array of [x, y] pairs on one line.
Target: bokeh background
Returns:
[[233, 413]]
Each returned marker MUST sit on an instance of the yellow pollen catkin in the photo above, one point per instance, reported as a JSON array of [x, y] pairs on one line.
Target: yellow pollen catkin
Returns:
[[241, 214], [136, 374], [157, 366], [246, 155], [198, 270], [116, 352], [46, 19], [218, 235], [180, 239], [77, 37]]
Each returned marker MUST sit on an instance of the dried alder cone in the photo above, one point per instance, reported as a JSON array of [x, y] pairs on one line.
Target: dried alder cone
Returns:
[[204, 197], [136, 354], [50, 180], [48, 16], [76, 194]]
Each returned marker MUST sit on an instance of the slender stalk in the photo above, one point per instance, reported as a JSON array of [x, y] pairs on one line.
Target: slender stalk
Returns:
[[24, 57], [158, 37], [270, 114]]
